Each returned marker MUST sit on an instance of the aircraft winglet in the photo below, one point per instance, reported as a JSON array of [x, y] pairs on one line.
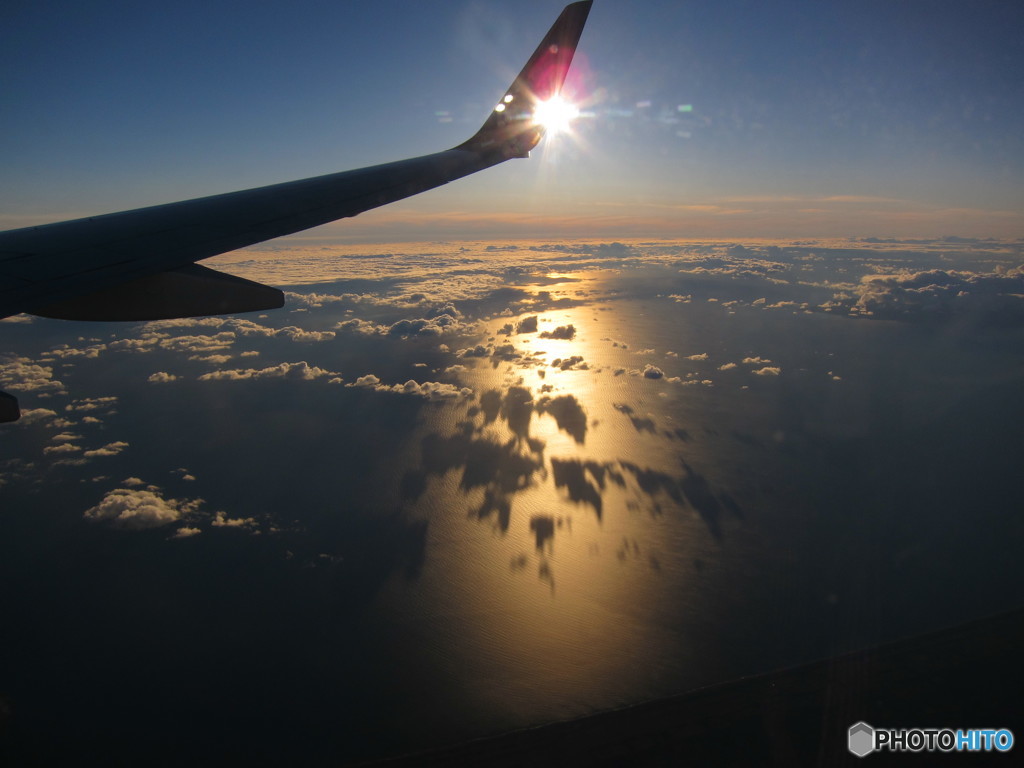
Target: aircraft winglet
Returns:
[[510, 130]]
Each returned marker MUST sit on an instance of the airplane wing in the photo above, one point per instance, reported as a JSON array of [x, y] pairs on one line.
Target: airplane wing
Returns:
[[140, 264]]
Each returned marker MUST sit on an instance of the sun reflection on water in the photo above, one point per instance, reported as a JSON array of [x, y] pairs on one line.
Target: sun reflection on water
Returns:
[[585, 517]]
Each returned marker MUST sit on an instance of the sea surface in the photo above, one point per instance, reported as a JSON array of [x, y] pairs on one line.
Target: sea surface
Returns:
[[454, 489]]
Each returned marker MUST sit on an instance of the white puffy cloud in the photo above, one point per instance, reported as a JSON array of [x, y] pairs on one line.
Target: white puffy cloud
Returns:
[[299, 335], [161, 377], [431, 390], [140, 508], [110, 449], [62, 449], [64, 351], [91, 404], [33, 415], [20, 374], [364, 327], [942, 292], [478, 351], [199, 345], [652, 372], [221, 520], [300, 371]]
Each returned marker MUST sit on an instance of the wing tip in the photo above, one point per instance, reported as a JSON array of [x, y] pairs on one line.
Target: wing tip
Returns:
[[509, 130]]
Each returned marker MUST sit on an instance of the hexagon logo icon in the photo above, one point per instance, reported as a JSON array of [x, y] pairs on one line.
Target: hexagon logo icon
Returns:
[[861, 739]]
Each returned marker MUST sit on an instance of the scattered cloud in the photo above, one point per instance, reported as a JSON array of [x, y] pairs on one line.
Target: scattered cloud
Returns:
[[140, 508], [430, 390], [301, 371], [110, 449], [89, 404], [564, 333], [221, 520], [574, 363], [652, 372], [940, 292], [20, 374], [62, 449], [34, 415]]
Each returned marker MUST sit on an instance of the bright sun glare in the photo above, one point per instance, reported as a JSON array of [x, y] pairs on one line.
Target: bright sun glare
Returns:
[[555, 114]]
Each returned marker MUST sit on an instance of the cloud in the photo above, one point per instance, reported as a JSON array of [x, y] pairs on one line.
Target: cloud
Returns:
[[221, 520], [64, 351], [20, 374], [423, 326], [431, 390], [33, 415], [62, 449], [110, 449], [306, 337], [478, 351], [365, 327], [768, 370], [563, 332], [302, 371], [527, 325], [574, 363], [727, 367], [701, 356], [652, 372], [315, 300], [938, 292], [185, 532], [91, 404], [161, 377], [198, 345], [505, 352], [140, 508]]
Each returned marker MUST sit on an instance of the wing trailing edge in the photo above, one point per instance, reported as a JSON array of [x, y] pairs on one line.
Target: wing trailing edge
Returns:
[[189, 291]]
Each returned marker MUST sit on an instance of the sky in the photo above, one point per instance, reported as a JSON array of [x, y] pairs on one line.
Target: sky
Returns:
[[711, 120]]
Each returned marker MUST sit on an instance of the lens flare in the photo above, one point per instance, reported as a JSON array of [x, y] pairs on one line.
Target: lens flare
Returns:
[[555, 115]]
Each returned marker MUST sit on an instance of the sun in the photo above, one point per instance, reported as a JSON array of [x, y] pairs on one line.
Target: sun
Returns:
[[555, 115]]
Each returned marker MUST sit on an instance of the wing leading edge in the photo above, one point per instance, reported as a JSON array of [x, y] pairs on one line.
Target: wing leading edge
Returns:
[[140, 264]]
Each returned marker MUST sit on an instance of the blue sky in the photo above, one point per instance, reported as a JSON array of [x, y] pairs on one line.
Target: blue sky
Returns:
[[728, 119]]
